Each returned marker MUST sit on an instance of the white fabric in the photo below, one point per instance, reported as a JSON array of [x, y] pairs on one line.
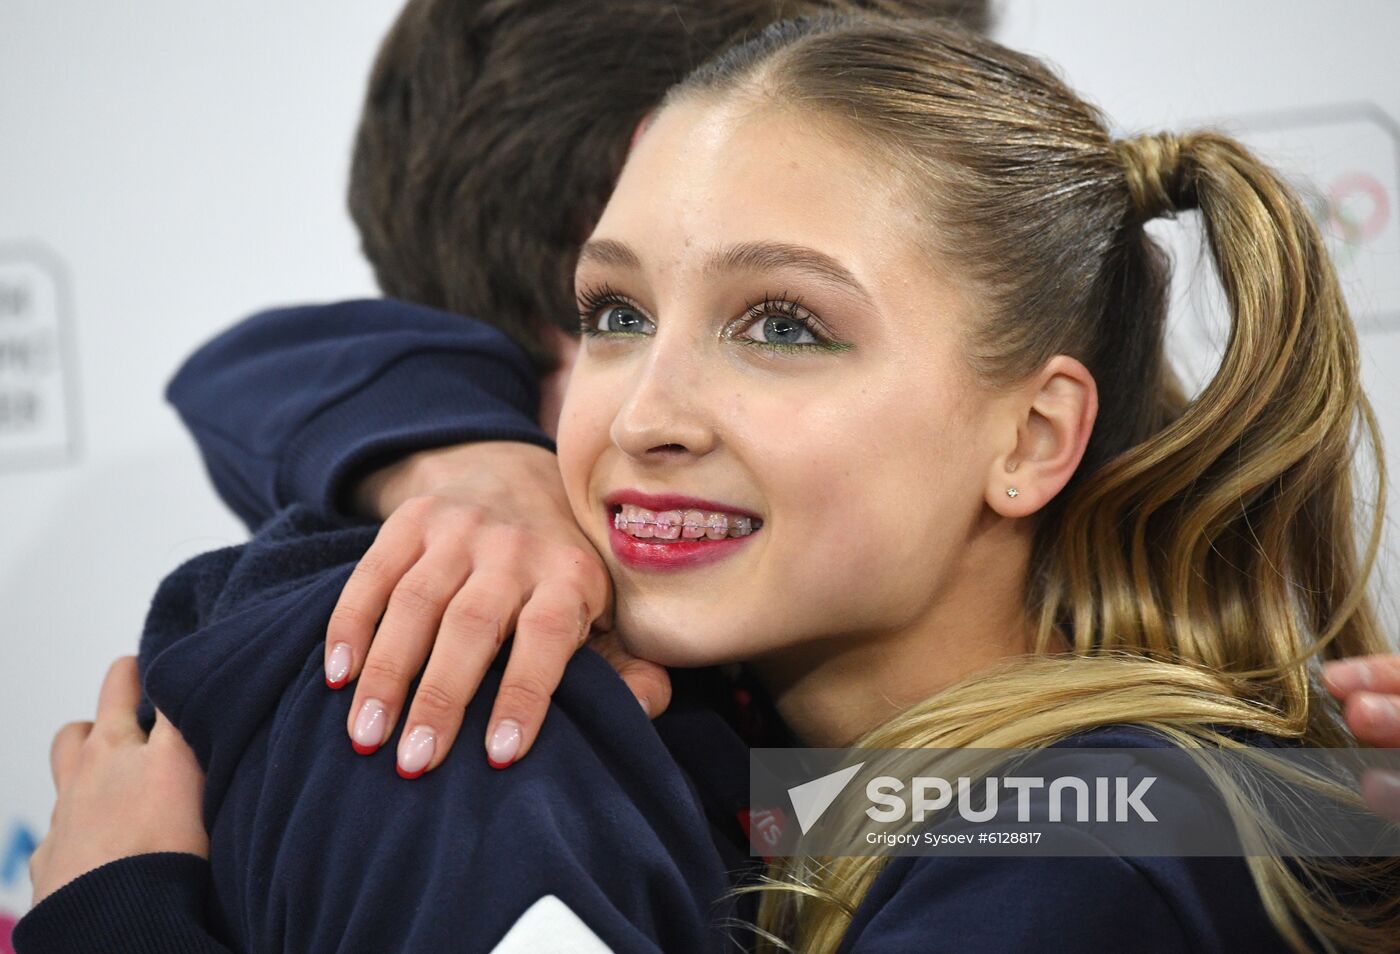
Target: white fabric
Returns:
[[549, 926]]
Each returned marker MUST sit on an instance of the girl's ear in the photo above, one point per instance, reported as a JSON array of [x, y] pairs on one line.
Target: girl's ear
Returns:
[[1049, 422]]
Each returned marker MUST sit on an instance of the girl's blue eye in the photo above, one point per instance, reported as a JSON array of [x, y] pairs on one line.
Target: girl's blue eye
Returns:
[[620, 318], [784, 331]]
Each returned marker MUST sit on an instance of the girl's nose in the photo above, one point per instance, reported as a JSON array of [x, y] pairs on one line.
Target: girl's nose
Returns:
[[667, 410]]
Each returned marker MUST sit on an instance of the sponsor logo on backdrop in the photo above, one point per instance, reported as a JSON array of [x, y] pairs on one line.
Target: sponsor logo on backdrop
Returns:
[[18, 845], [1345, 161], [37, 404]]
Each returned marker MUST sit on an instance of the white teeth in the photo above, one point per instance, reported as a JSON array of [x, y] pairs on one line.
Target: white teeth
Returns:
[[694, 527], [668, 524], [717, 526], [678, 524]]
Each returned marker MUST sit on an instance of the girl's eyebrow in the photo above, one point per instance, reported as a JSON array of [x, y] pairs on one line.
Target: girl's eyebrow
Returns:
[[745, 256]]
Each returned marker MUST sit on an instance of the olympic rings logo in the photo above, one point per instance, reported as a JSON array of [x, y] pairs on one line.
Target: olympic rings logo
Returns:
[[1354, 210]]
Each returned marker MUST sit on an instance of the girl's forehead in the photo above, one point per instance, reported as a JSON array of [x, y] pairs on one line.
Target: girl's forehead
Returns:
[[711, 173]]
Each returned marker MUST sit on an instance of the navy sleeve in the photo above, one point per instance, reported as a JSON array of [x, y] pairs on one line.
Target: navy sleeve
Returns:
[[317, 849], [146, 904], [1008, 904], [294, 405]]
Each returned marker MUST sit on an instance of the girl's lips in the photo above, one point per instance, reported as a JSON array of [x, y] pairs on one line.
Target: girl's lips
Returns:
[[671, 555]]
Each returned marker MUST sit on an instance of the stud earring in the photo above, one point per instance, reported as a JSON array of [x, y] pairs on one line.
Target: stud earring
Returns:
[[1011, 491]]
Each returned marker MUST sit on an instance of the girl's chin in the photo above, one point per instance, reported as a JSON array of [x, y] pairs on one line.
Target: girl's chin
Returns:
[[676, 648]]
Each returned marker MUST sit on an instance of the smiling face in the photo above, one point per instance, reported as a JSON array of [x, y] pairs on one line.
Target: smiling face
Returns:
[[773, 339]]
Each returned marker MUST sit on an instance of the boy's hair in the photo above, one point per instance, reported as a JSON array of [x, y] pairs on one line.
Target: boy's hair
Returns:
[[493, 132]]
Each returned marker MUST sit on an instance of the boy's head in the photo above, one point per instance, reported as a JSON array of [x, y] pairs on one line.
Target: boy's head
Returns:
[[493, 132]]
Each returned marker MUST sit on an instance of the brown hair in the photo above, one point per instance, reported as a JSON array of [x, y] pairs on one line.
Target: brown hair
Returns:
[[1203, 556], [493, 132]]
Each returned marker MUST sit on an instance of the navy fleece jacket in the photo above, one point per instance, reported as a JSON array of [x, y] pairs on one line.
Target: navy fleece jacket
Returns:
[[315, 848], [633, 825]]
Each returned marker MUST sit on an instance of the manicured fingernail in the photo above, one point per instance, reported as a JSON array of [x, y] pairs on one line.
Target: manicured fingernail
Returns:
[[338, 665], [1382, 791], [1379, 711], [416, 751], [368, 733], [504, 743], [1347, 675]]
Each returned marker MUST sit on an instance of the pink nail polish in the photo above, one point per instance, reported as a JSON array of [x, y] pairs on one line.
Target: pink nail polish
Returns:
[[416, 751], [338, 665], [504, 743], [368, 733]]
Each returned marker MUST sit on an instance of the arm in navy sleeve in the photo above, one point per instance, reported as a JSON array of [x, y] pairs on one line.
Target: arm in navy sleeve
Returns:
[[314, 848], [145, 904], [294, 405], [1009, 904]]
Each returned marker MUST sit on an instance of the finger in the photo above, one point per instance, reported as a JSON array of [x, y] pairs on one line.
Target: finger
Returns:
[[165, 734], [118, 699], [1381, 789], [400, 648], [473, 627], [65, 751], [1379, 673], [395, 550], [593, 582], [1374, 718], [649, 682], [552, 626]]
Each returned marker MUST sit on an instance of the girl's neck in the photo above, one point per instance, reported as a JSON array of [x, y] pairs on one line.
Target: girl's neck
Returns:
[[832, 692]]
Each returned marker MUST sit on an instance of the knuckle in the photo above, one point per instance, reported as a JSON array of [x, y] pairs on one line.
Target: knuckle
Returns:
[[416, 596], [436, 703], [477, 618], [382, 673], [582, 578], [349, 614], [553, 622], [463, 517], [372, 566], [526, 694], [417, 511], [105, 735]]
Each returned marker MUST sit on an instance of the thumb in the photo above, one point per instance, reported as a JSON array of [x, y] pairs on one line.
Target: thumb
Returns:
[[649, 681]]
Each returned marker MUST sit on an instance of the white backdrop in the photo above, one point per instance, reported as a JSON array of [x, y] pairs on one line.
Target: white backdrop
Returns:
[[168, 167]]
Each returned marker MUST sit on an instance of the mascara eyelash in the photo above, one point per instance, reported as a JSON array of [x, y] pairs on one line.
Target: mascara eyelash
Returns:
[[590, 300], [792, 310]]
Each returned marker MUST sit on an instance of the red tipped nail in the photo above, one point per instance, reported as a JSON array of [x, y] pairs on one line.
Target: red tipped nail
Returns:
[[504, 744], [338, 665], [402, 774], [368, 732]]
